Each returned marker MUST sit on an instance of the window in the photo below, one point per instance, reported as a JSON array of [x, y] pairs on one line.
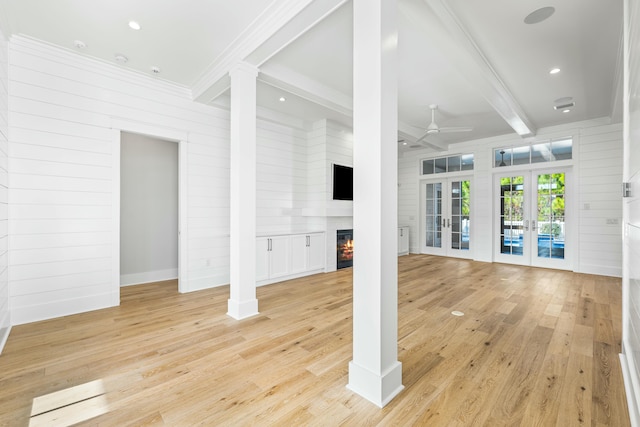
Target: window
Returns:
[[541, 152], [457, 163]]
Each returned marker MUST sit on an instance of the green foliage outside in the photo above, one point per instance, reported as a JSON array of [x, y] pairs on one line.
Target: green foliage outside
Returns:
[[550, 201]]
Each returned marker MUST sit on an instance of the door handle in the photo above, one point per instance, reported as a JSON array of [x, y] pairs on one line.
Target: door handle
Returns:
[[533, 225], [268, 245], [308, 241], [448, 223], [526, 225]]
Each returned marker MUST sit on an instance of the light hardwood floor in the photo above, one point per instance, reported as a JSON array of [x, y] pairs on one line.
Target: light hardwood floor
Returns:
[[535, 347]]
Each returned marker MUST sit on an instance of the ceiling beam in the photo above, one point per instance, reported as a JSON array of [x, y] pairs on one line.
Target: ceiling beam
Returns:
[[280, 24], [314, 91], [476, 68], [300, 85]]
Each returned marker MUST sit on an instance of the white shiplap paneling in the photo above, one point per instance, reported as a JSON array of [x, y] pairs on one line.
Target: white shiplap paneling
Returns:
[[281, 179], [61, 217], [600, 200]]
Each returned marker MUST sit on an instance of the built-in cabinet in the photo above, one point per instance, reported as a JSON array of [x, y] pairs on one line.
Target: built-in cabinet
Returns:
[[273, 257], [403, 240], [288, 256]]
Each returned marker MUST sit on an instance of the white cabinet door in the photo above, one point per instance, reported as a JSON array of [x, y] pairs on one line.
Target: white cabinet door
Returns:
[[280, 247], [298, 253], [262, 258], [403, 240], [316, 251]]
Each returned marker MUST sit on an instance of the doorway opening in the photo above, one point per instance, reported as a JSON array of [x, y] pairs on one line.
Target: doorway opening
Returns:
[[149, 213]]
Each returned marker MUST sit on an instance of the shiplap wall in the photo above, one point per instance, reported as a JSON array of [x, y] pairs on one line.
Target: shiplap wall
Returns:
[[597, 174], [280, 178], [5, 320], [600, 200], [329, 142], [60, 215]]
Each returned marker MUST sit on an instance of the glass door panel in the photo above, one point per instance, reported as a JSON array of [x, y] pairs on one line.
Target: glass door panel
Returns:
[[460, 214], [549, 224], [530, 210], [512, 238], [433, 215], [447, 217]]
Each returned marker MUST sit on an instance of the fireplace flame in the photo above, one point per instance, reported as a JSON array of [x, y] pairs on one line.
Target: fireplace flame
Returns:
[[346, 250]]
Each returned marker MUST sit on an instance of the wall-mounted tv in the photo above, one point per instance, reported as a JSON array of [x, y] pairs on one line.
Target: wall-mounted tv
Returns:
[[342, 182]]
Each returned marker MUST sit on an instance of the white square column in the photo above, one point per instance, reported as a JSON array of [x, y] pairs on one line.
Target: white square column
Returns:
[[242, 302], [375, 373]]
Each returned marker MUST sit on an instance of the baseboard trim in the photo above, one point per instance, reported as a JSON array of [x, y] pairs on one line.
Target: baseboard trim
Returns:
[[64, 307], [600, 270], [5, 330], [148, 277], [630, 391]]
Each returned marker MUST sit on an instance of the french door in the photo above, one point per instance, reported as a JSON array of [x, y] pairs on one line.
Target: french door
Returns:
[[531, 218], [446, 217]]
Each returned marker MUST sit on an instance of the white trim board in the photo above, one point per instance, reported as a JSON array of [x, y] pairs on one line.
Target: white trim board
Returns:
[[118, 126], [631, 392], [5, 330], [148, 277]]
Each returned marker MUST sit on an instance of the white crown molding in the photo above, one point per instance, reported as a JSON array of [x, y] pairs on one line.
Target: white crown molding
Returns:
[[95, 66]]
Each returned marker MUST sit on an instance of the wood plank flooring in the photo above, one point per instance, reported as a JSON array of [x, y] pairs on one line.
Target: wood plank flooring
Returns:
[[535, 347]]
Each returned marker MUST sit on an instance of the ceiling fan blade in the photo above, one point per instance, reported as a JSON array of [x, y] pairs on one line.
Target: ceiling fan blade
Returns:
[[422, 137], [456, 129], [431, 141]]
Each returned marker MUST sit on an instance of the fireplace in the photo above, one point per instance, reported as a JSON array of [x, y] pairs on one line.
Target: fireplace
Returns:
[[344, 248]]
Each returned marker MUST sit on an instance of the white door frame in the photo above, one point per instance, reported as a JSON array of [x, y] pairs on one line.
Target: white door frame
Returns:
[[571, 219], [446, 180], [119, 125]]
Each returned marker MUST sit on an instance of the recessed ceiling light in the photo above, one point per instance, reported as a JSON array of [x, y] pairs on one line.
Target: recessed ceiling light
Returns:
[[79, 44], [566, 110], [282, 99], [134, 25], [554, 71], [539, 15], [121, 58], [404, 143]]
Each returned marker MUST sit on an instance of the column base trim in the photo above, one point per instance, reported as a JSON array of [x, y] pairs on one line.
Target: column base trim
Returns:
[[379, 389], [242, 309]]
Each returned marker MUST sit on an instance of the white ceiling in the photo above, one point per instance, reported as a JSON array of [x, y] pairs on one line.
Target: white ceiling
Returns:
[[479, 61]]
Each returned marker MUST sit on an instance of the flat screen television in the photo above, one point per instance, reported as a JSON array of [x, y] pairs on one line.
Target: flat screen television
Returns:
[[342, 182]]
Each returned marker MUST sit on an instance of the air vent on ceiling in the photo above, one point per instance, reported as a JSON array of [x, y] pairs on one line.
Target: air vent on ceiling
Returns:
[[564, 106]]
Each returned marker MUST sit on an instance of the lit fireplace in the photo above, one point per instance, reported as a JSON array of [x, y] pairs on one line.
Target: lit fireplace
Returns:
[[344, 248]]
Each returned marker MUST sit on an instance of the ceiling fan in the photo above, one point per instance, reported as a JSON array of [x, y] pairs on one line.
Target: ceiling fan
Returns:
[[434, 129]]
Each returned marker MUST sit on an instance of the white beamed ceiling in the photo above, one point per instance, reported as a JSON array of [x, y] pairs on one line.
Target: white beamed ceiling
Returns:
[[479, 61]]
